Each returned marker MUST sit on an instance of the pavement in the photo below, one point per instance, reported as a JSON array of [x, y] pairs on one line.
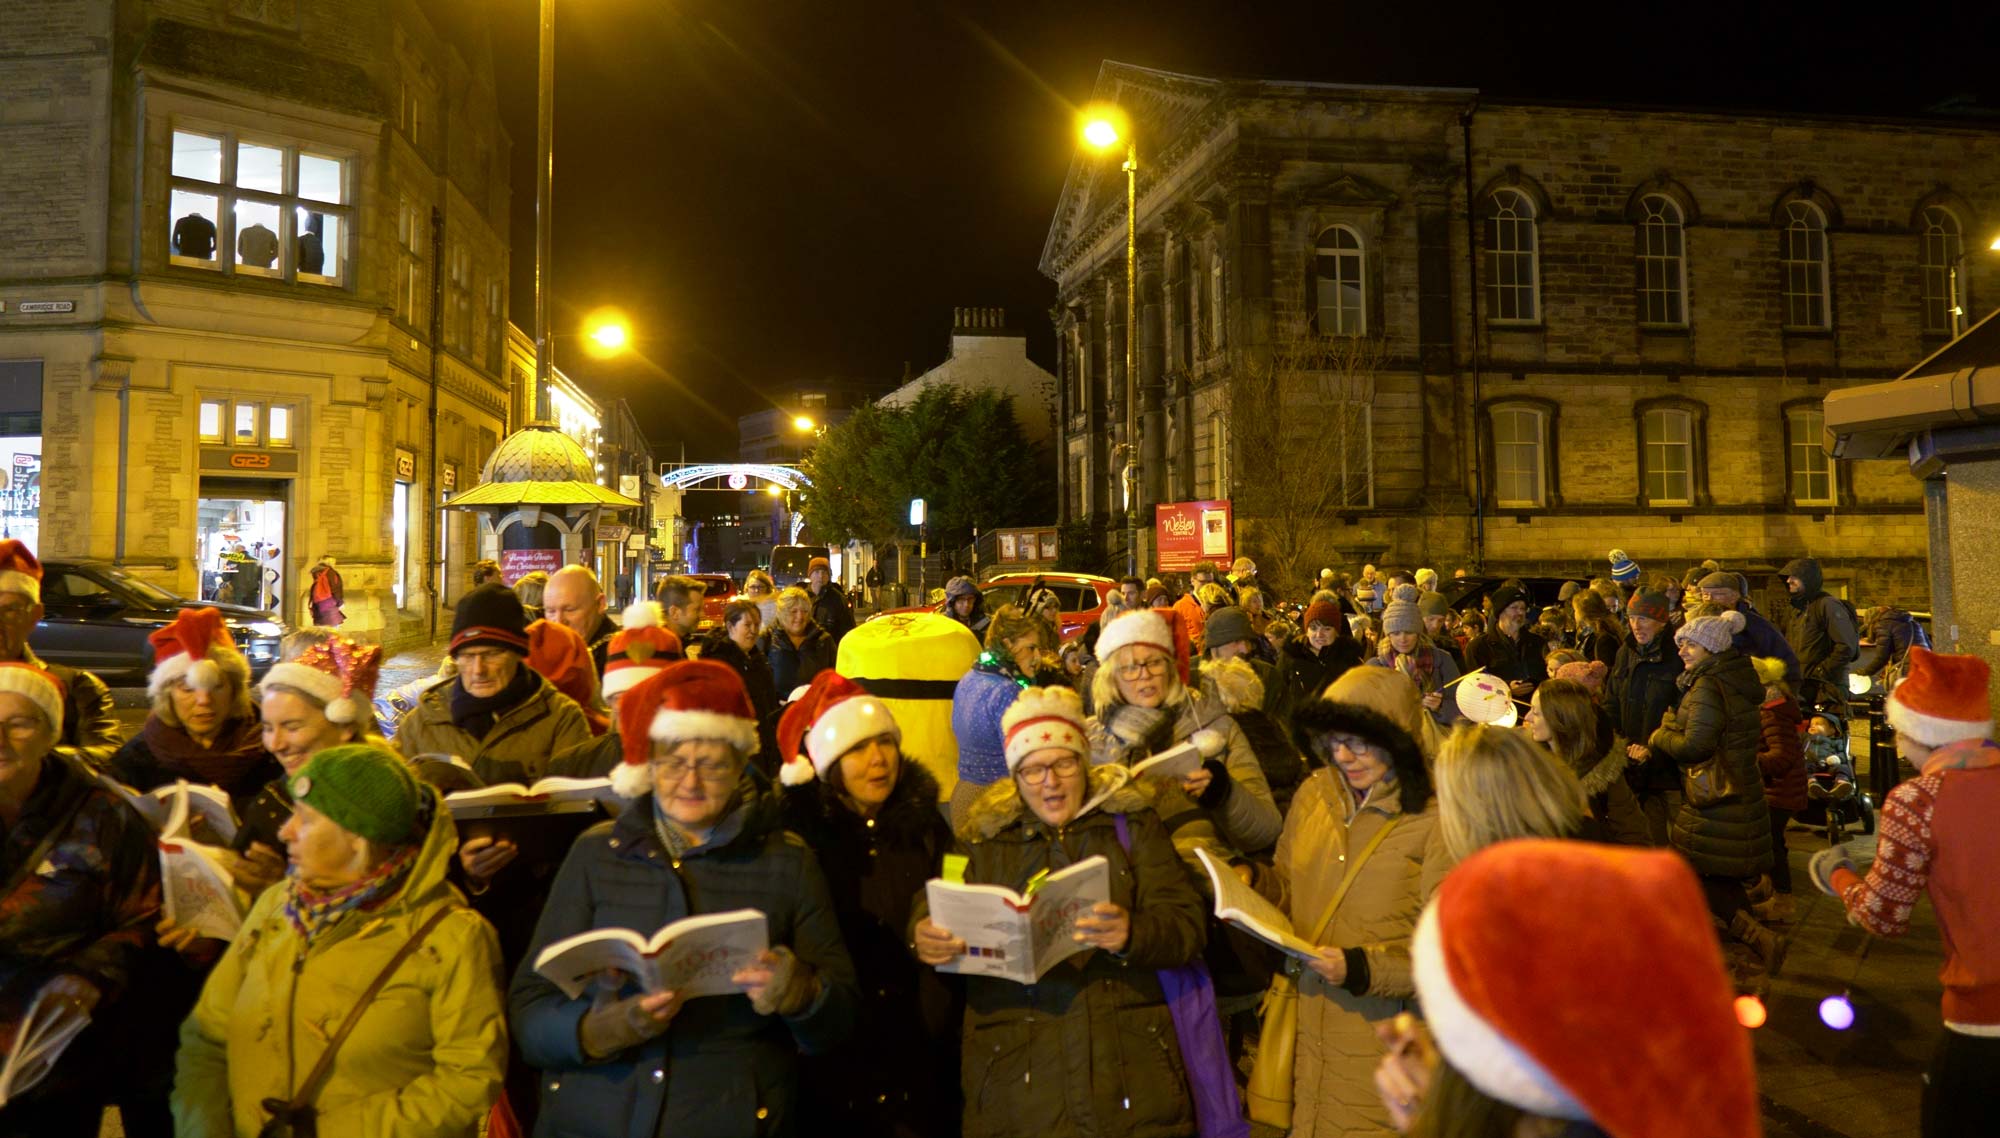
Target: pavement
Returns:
[[1813, 1082]]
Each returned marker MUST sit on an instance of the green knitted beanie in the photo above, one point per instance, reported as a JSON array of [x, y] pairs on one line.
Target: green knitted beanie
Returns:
[[365, 790]]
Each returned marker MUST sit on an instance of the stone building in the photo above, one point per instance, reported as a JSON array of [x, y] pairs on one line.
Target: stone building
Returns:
[[253, 260], [1535, 332], [988, 355]]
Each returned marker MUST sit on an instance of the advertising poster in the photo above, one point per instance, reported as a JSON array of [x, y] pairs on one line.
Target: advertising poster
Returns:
[[518, 563], [1187, 532]]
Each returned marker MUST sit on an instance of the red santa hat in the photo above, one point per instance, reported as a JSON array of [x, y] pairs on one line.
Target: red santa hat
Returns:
[[337, 671], [1044, 717], [687, 699], [1497, 956], [1943, 699], [1140, 626], [39, 685], [20, 572], [643, 645], [562, 656], [196, 648], [834, 716]]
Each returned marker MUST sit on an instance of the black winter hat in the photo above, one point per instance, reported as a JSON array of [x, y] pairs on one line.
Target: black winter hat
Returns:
[[1507, 594], [490, 615]]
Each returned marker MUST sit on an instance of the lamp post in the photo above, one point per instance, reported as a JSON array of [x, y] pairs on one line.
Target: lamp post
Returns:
[[1103, 129], [545, 126]]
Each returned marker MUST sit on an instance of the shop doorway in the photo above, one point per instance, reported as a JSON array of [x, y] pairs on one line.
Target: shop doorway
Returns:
[[240, 542]]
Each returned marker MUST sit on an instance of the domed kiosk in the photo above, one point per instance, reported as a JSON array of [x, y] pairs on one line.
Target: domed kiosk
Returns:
[[538, 502]]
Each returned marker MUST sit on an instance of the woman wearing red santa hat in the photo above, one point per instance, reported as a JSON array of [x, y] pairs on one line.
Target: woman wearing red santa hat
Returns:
[[1938, 839], [1513, 1047], [703, 835], [203, 727], [872, 818]]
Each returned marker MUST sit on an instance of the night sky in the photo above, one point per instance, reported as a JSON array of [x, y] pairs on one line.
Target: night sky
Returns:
[[780, 191]]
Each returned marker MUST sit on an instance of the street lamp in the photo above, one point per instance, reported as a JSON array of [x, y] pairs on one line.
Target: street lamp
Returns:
[[545, 127], [1102, 129], [803, 423], [606, 333]]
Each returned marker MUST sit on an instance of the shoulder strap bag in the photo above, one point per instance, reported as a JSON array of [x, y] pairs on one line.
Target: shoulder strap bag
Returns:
[[297, 1118], [1270, 1090]]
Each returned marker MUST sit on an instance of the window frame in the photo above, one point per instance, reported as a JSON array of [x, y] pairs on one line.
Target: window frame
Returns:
[[1943, 284], [1655, 451], [1218, 325], [1796, 443], [1654, 220], [1345, 257], [1811, 266], [262, 411], [1544, 417], [1514, 208], [287, 200]]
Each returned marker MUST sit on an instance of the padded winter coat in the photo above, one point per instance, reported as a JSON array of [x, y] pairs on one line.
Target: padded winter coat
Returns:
[[1639, 690], [1238, 808], [796, 664], [1781, 754], [1718, 716], [1089, 1049], [1303, 674], [720, 1069], [517, 748], [1333, 1088], [425, 1060], [1615, 817]]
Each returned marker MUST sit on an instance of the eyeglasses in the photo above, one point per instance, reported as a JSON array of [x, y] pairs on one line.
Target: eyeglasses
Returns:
[[714, 768], [1157, 666], [1355, 744], [755, 589], [1039, 773]]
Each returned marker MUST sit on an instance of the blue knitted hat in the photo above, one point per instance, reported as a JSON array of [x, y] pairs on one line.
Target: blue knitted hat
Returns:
[[1624, 570]]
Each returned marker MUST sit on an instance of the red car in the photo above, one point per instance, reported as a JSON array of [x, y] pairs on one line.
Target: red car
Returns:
[[721, 589], [1082, 596]]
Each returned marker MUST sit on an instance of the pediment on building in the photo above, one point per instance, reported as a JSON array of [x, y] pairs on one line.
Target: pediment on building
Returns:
[[1164, 107], [1343, 189]]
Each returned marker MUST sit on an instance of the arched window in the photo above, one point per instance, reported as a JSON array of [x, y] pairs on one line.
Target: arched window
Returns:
[[1802, 254], [1520, 455], [1513, 283], [1341, 293], [1662, 263], [1944, 285]]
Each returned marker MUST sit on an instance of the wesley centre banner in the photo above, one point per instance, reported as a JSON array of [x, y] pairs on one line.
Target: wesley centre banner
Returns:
[[1187, 532]]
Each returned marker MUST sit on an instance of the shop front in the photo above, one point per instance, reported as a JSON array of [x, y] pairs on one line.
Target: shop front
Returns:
[[243, 516]]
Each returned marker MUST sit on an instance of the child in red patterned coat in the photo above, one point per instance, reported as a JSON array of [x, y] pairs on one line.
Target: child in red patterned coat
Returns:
[[1937, 837]]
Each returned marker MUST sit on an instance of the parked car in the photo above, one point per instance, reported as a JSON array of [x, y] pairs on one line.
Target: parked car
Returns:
[[1082, 596], [97, 617], [1463, 593], [721, 588]]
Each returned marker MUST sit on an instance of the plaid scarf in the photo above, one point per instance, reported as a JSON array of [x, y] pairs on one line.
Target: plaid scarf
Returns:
[[312, 912]]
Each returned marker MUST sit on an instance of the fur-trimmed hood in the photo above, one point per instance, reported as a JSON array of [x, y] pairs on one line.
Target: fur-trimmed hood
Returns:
[[1312, 723], [1608, 769], [1110, 788]]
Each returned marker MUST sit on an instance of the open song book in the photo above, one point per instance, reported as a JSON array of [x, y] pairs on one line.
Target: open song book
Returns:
[[1247, 909], [694, 956], [1013, 937], [35, 1041]]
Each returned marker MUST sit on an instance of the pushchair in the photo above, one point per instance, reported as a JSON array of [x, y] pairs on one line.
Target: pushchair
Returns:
[[1836, 803]]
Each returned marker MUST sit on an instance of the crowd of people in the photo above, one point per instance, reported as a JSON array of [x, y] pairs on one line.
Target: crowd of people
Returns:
[[1445, 875]]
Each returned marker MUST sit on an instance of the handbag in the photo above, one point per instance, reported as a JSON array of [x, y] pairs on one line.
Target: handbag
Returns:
[[1190, 993], [296, 1117], [1710, 782], [1270, 1089]]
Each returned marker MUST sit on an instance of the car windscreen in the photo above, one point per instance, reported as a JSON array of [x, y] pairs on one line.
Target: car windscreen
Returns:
[[152, 593]]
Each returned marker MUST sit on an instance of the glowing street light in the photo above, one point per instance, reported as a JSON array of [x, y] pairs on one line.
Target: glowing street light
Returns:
[[1103, 128], [803, 423], [606, 333]]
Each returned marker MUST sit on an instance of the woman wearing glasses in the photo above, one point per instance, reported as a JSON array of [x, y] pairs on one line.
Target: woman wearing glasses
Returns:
[[760, 590], [1143, 709], [1090, 1048], [702, 835], [1368, 814]]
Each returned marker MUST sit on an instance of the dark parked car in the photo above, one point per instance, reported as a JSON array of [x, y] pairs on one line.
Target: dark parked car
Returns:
[[1463, 593], [97, 617]]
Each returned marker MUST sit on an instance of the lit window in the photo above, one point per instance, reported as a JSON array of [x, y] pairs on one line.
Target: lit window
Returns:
[[1662, 263], [275, 211], [245, 434], [1667, 448], [1944, 285], [280, 433], [1341, 291], [1512, 252], [1811, 470], [1520, 437], [1802, 253], [211, 422]]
